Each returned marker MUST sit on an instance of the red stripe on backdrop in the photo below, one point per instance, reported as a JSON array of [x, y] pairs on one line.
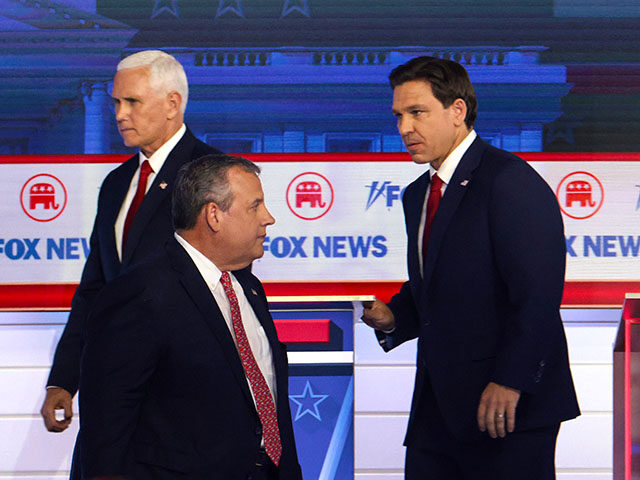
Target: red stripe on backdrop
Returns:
[[37, 296], [322, 157]]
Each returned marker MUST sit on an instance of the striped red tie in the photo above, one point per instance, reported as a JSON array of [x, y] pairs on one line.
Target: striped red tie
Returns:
[[264, 400]]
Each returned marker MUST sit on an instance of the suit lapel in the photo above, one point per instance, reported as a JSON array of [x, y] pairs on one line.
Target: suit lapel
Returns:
[[451, 199], [199, 292], [413, 213], [260, 307], [113, 198], [159, 191]]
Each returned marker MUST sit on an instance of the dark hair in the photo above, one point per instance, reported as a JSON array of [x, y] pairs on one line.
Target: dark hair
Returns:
[[203, 181], [448, 79]]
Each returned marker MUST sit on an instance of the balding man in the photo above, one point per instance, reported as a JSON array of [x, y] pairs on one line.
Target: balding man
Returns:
[[183, 375]]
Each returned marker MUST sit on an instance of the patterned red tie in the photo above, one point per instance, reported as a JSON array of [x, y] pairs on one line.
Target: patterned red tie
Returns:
[[264, 400], [435, 194], [145, 170]]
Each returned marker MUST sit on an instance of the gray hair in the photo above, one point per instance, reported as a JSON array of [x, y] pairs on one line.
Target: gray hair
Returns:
[[203, 181], [165, 72]]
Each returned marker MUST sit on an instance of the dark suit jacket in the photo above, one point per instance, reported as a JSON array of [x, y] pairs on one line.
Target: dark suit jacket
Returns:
[[487, 307], [149, 230], [163, 393]]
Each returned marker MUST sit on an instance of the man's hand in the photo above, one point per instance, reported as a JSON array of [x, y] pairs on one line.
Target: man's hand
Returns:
[[377, 315], [497, 407], [57, 399]]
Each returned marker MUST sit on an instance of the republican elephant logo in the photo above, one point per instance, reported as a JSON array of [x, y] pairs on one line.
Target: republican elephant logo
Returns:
[[579, 191], [580, 195], [42, 194], [310, 195], [309, 192], [43, 197]]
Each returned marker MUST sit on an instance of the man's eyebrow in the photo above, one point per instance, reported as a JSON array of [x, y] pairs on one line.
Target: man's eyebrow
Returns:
[[408, 108]]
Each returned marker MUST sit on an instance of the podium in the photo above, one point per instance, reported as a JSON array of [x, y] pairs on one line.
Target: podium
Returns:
[[318, 331], [626, 392]]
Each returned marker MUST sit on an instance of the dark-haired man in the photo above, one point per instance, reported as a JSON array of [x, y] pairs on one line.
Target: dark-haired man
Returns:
[[183, 376], [486, 260]]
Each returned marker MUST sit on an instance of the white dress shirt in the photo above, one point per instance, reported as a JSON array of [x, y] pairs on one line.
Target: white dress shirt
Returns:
[[252, 326], [445, 172], [156, 161]]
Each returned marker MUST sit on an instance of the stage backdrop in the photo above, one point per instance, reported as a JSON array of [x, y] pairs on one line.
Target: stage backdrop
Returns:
[[339, 225]]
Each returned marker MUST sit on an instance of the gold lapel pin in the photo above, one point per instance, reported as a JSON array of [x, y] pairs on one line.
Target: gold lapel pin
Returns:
[[464, 183]]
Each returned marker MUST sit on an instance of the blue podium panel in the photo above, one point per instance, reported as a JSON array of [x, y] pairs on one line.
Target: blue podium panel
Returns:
[[321, 400], [321, 382]]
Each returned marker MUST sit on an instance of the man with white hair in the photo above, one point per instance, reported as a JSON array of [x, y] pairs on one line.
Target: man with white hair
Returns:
[[133, 219]]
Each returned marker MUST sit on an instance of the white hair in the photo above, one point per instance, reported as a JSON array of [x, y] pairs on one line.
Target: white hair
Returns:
[[165, 72]]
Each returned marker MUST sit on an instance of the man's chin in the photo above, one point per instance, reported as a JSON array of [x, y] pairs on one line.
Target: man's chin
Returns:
[[421, 159], [129, 141]]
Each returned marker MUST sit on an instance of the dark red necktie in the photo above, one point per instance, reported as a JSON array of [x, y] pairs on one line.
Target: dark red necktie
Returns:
[[435, 194], [145, 170], [264, 401]]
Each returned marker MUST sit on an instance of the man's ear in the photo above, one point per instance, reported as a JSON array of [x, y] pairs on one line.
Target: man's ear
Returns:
[[459, 111], [212, 216], [173, 100]]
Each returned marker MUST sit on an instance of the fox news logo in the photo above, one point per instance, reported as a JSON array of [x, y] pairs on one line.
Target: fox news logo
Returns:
[[385, 192]]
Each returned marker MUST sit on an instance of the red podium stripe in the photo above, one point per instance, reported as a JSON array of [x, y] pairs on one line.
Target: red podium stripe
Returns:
[[311, 330]]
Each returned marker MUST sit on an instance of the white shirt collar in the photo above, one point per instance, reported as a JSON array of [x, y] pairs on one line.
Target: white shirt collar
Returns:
[[445, 172], [209, 271], [159, 156]]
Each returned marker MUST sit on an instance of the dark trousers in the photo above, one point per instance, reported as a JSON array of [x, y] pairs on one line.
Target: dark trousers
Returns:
[[433, 453]]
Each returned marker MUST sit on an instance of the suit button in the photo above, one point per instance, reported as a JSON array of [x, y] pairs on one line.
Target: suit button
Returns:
[[542, 363], [427, 323]]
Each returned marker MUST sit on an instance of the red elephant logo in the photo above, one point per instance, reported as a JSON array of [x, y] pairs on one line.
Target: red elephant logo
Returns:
[[310, 196], [43, 194], [579, 191], [309, 192], [43, 197]]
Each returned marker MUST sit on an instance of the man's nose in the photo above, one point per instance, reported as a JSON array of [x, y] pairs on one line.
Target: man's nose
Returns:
[[269, 219], [120, 111], [405, 126]]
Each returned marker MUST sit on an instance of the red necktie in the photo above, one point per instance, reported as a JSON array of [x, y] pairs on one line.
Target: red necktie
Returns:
[[145, 170], [435, 194], [264, 400]]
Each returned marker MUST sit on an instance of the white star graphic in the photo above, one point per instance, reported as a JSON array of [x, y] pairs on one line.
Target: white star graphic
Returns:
[[234, 6], [301, 6], [170, 6], [307, 402]]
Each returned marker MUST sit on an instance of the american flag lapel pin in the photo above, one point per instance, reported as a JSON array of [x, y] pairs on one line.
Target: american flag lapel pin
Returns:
[[464, 183], [254, 292], [163, 185]]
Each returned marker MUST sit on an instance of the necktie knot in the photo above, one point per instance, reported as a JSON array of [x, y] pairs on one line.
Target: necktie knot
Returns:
[[225, 280], [436, 182], [145, 169]]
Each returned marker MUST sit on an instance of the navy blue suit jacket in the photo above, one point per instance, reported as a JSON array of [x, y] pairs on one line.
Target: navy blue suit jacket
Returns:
[[486, 308], [150, 229], [163, 393]]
